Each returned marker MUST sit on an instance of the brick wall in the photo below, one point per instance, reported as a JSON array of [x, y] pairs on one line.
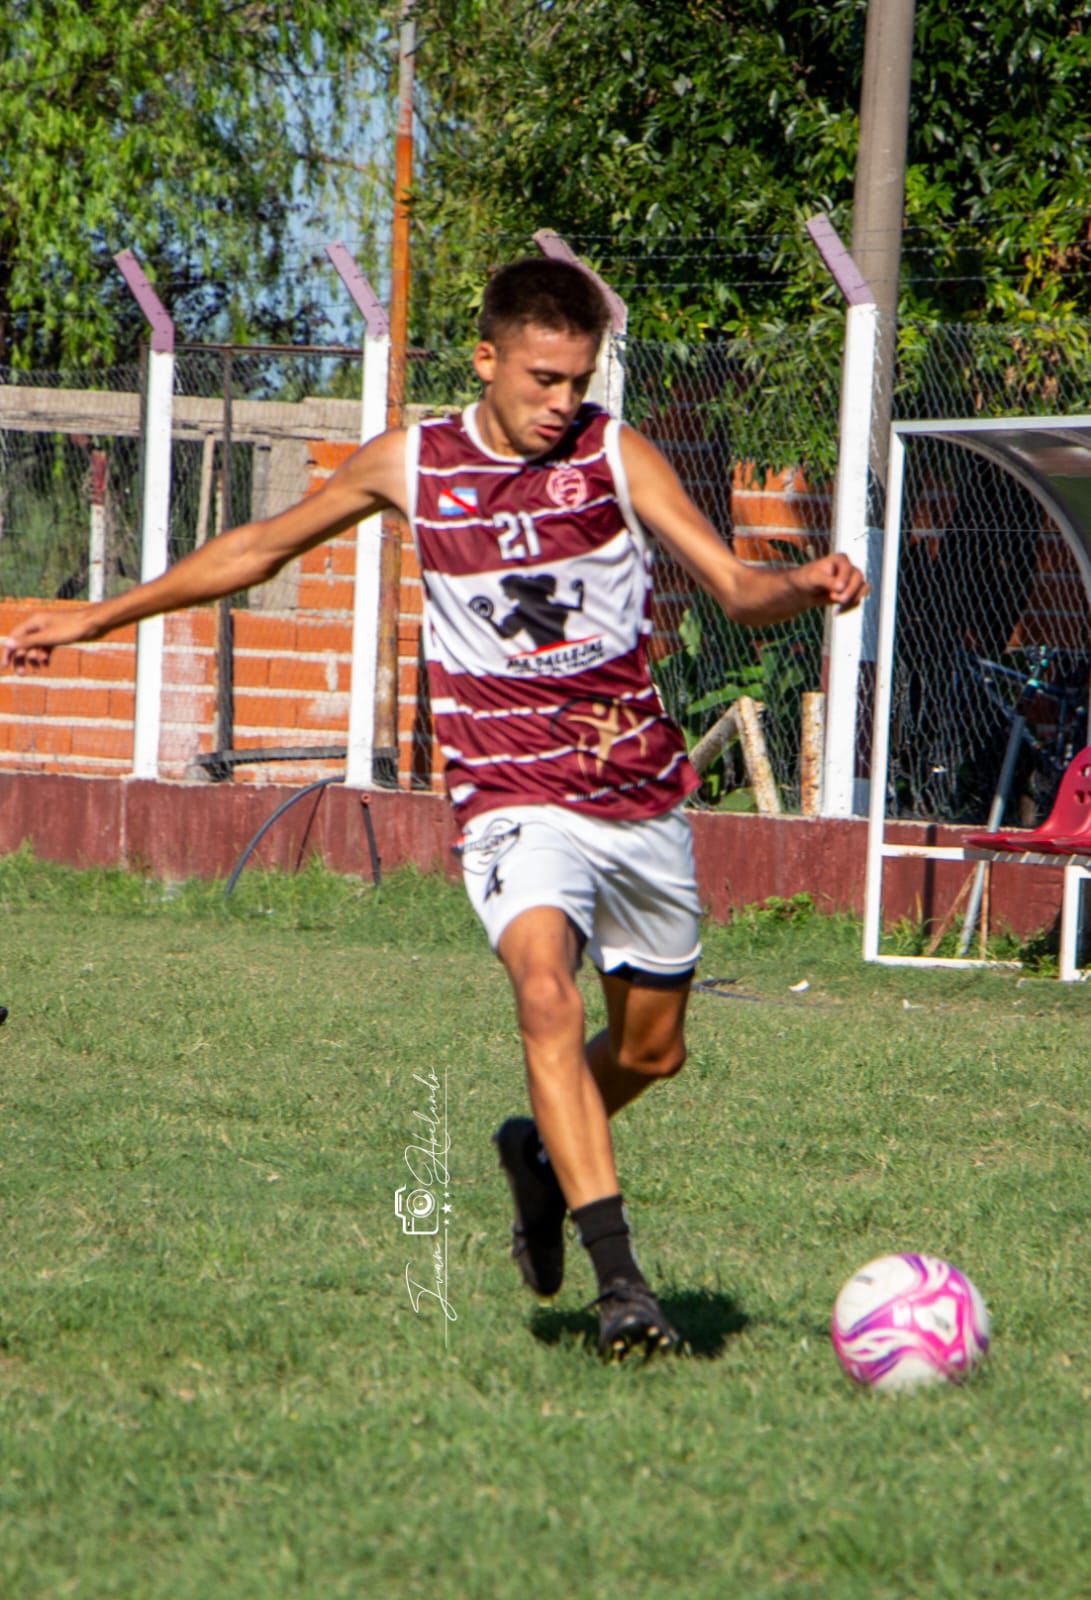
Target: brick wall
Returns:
[[291, 667], [291, 678], [776, 513], [78, 717]]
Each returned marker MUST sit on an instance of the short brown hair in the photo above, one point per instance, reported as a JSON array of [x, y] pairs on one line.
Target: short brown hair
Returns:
[[544, 291]]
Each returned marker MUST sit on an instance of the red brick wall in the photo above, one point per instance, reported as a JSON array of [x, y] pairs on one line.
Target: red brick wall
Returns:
[[291, 679], [291, 669], [326, 586], [777, 513], [291, 676], [77, 718]]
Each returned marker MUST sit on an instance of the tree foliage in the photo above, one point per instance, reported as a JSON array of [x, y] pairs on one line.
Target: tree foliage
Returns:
[[191, 131], [682, 144]]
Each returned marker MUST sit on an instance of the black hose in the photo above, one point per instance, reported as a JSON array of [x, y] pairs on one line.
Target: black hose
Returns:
[[322, 783]]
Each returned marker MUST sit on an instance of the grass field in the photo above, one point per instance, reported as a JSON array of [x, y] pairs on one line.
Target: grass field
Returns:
[[215, 1386]]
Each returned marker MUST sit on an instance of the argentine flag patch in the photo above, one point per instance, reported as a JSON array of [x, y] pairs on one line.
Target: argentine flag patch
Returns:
[[458, 502]]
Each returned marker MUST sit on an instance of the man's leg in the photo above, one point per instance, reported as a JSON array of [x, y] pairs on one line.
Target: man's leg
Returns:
[[643, 1041], [540, 950]]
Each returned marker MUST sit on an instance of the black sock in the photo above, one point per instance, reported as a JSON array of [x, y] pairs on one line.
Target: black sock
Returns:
[[604, 1233]]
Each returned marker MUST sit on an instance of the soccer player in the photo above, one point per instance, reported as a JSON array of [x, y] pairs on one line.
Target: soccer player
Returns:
[[532, 512]]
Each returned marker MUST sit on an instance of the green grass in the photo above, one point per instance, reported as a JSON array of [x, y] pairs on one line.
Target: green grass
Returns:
[[213, 1382]]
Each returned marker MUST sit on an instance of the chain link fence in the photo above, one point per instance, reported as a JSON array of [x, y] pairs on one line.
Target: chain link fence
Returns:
[[70, 446], [53, 480], [993, 630], [993, 599], [993, 634], [246, 414], [751, 427]]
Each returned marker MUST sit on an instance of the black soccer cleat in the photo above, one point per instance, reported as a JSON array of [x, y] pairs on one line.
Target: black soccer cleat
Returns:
[[537, 1231], [630, 1318]]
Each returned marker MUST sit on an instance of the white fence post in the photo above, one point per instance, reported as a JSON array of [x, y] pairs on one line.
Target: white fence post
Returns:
[[884, 688], [852, 535], [851, 636], [155, 517], [608, 384], [359, 773], [96, 560]]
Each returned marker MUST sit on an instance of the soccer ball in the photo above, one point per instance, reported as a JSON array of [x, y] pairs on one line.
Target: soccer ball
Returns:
[[907, 1320]]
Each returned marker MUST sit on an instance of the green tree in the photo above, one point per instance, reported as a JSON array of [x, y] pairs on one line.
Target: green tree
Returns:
[[681, 145], [192, 131], [999, 158]]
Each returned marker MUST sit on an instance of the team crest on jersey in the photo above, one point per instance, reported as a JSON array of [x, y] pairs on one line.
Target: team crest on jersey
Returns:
[[567, 487], [458, 502]]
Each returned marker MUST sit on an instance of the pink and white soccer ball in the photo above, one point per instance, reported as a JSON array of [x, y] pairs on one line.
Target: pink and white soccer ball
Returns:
[[907, 1320]]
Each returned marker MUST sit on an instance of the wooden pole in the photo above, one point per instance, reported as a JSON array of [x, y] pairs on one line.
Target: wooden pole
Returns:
[[811, 749], [758, 769]]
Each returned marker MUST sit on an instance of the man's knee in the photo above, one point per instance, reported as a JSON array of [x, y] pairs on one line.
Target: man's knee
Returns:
[[547, 1002], [664, 1061]]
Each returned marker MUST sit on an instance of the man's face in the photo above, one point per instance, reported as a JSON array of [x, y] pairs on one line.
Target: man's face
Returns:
[[535, 380]]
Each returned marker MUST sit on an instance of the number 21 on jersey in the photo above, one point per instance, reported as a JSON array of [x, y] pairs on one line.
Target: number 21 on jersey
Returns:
[[516, 535]]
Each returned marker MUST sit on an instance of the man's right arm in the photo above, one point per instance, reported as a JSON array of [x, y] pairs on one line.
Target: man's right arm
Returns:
[[371, 480]]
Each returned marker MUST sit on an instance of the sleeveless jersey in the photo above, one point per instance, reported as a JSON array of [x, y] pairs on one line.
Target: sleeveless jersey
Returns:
[[537, 591]]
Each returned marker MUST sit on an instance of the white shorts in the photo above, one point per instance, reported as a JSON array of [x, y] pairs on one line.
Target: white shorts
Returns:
[[628, 887]]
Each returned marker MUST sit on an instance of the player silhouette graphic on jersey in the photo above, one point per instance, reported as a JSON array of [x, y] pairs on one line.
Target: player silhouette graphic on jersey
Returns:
[[534, 610]]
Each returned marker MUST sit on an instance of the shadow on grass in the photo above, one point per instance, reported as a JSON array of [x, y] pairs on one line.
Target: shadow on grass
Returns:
[[705, 1318]]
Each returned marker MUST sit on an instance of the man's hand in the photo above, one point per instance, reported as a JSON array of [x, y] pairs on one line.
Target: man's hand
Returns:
[[29, 646], [832, 580]]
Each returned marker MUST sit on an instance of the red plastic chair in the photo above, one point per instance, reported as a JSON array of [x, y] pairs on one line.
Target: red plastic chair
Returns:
[[1067, 829]]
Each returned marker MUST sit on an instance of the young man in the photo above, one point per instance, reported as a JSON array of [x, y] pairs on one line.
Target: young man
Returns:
[[529, 512]]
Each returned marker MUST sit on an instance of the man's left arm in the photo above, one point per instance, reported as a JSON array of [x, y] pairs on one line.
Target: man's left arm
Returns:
[[753, 595]]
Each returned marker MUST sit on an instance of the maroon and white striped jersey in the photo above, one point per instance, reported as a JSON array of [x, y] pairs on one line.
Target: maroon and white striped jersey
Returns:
[[536, 596]]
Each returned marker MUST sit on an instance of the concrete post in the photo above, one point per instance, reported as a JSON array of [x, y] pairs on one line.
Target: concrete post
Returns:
[[96, 563], [155, 516], [360, 773], [851, 637], [878, 200]]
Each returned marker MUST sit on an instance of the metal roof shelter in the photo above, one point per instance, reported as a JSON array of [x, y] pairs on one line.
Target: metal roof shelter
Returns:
[[1051, 458]]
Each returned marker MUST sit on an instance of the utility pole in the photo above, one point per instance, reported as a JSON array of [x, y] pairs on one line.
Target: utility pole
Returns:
[[878, 203]]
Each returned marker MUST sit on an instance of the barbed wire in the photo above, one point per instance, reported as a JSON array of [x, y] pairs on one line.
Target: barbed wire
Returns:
[[307, 301], [698, 246]]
